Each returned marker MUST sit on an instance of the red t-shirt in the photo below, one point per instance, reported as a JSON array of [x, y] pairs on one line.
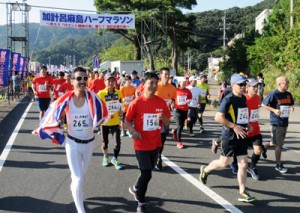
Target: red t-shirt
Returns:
[[65, 87], [253, 104], [39, 82], [143, 112], [182, 95], [56, 85], [97, 85]]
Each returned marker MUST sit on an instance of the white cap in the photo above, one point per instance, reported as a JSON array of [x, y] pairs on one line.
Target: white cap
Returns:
[[192, 78], [123, 72]]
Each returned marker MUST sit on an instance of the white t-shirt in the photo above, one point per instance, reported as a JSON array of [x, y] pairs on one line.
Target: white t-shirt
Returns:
[[80, 124], [196, 92]]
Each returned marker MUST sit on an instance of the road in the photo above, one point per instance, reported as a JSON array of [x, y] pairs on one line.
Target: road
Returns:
[[35, 175]]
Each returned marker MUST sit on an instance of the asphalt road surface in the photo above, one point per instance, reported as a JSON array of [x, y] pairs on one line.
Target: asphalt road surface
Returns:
[[35, 177]]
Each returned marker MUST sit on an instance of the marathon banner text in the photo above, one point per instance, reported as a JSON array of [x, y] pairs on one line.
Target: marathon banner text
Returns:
[[97, 21]]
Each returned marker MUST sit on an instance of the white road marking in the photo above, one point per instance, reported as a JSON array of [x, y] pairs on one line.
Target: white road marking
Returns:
[[290, 149], [12, 138], [210, 193]]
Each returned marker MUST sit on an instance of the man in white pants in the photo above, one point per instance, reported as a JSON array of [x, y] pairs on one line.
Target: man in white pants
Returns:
[[84, 111]]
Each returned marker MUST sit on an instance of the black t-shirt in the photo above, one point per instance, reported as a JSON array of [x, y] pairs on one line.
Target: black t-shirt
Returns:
[[236, 111], [282, 101]]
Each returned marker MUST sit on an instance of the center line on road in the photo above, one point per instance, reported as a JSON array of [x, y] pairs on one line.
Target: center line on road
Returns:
[[210, 193], [12, 138]]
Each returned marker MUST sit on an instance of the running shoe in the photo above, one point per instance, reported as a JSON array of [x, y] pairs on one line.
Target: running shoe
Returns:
[[34, 132], [116, 163], [280, 168], [159, 165], [234, 168], [214, 145], [129, 134], [105, 161], [133, 191], [141, 208], [192, 135], [246, 197], [186, 127], [123, 134], [253, 173], [202, 130], [203, 175], [264, 152], [174, 132], [99, 131], [179, 145]]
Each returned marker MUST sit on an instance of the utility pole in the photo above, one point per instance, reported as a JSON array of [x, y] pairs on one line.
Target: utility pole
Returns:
[[224, 30], [291, 17]]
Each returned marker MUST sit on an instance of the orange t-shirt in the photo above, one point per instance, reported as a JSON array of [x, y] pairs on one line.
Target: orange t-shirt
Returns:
[[253, 104], [56, 85], [143, 112], [128, 94], [166, 92], [97, 85], [39, 83]]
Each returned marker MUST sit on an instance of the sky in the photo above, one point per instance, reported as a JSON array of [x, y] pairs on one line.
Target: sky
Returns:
[[203, 5]]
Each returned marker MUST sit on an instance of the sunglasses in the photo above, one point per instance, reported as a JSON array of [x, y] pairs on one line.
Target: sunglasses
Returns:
[[79, 78], [242, 84]]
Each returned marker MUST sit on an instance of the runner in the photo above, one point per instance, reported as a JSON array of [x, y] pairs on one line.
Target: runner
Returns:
[[280, 103], [148, 113], [98, 83], [84, 111], [128, 94], [233, 115], [205, 92], [41, 88], [135, 80], [183, 98], [113, 101], [167, 92], [57, 82], [194, 105], [28, 81]]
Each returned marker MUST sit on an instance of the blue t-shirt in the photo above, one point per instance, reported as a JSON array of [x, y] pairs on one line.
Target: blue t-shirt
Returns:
[[136, 82], [236, 111], [282, 101]]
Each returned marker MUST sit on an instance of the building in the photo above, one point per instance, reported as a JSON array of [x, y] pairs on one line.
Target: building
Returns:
[[260, 19], [128, 66]]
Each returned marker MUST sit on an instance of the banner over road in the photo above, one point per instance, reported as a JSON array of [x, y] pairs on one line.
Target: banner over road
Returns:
[[96, 21]]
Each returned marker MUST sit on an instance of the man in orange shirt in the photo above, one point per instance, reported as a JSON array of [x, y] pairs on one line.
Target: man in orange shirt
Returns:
[[128, 94], [57, 82], [41, 88], [98, 83], [167, 92]]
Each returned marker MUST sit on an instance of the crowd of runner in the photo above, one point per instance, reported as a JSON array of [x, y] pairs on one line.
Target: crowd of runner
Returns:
[[124, 104]]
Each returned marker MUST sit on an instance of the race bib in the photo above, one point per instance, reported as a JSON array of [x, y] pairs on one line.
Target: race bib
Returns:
[[285, 111], [203, 92], [42, 88], [127, 100], [60, 93], [80, 122], [151, 122], [194, 101], [113, 106], [254, 115], [181, 100], [242, 116]]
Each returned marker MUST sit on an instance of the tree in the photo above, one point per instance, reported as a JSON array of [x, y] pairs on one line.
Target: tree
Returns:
[[145, 12]]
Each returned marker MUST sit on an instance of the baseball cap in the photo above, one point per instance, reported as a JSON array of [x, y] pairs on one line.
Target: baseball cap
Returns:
[[193, 78], [123, 72], [251, 82], [108, 76], [95, 69], [101, 70], [181, 79], [237, 79]]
